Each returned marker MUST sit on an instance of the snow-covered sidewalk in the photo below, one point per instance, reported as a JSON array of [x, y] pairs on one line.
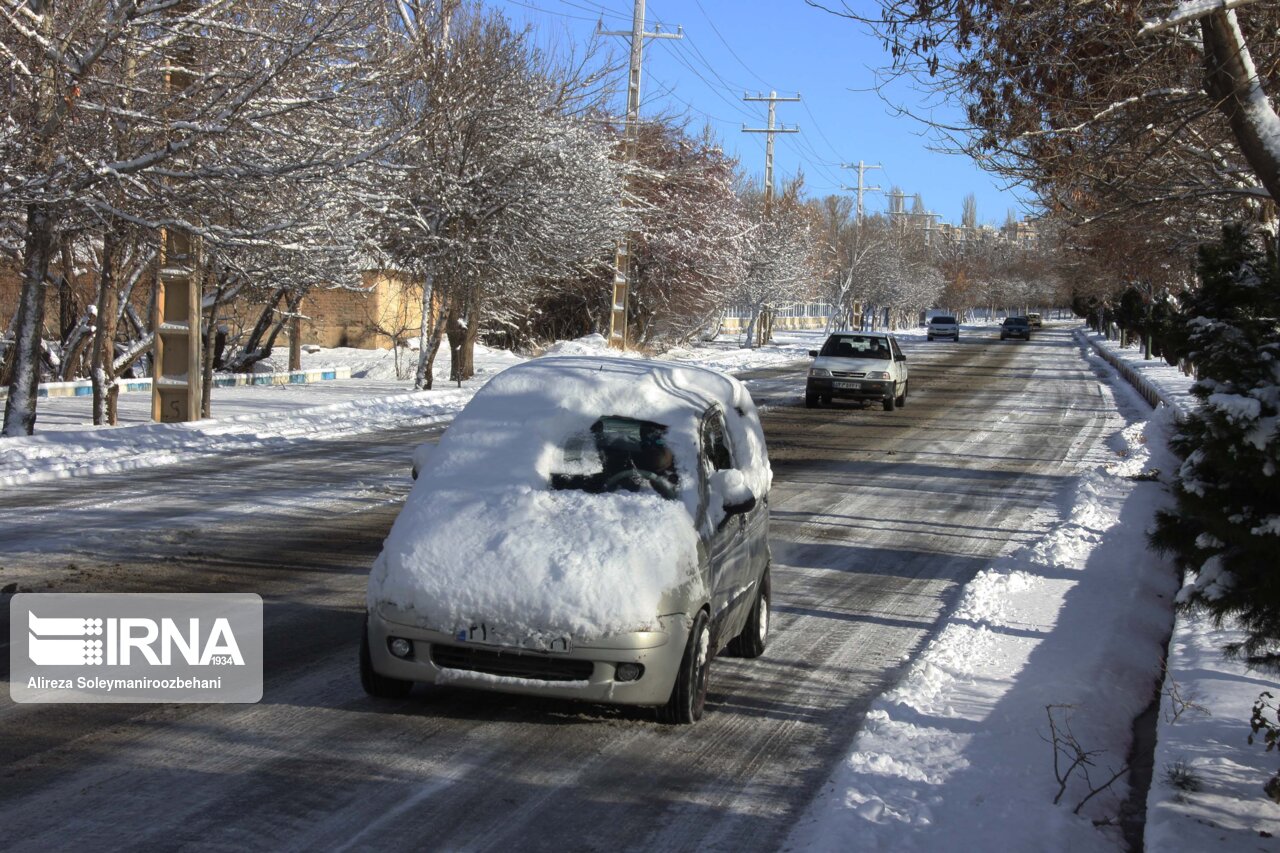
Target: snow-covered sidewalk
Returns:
[[256, 418], [1063, 640]]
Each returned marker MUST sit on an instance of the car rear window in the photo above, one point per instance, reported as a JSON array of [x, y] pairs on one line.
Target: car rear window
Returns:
[[856, 346], [947, 320]]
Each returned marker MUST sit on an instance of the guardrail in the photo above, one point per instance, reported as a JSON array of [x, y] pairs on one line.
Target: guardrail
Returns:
[[84, 387]]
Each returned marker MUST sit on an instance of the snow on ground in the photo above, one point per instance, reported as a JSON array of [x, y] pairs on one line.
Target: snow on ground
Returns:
[[1066, 634], [1206, 789], [955, 756], [66, 443]]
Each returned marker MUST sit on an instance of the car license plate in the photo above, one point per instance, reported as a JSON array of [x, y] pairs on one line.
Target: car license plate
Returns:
[[848, 386], [482, 634]]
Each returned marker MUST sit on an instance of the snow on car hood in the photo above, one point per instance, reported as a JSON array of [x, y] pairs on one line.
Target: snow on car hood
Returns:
[[536, 561], [483, 537]]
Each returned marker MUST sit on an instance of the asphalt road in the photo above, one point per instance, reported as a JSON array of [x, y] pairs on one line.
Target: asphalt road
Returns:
[[878, 519]]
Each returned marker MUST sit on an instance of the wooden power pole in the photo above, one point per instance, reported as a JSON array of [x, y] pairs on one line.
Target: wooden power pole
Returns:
[[622, 259]]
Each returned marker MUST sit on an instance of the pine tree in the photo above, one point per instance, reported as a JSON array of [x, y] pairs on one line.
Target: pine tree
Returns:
[[1226, 523]]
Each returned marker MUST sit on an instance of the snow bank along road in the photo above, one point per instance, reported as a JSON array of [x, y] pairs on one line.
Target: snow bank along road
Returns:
[[877, 520]]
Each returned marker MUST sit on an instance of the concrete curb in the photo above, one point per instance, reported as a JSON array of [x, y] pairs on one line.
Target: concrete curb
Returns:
[[84, 387], [1148, 391]]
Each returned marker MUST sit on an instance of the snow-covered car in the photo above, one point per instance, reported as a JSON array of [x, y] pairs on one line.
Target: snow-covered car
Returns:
[[858, 366], [1015, 327], [943, 326], [588, 528]]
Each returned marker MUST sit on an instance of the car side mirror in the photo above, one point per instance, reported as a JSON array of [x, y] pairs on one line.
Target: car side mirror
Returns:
[[729, 487], [813, 353], [420, 455], [900, 357]]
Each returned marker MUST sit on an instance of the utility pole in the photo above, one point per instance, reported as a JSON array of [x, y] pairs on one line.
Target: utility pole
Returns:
[[772, 99], [862, 187], [176, 384], [897, 205], [631, 136]]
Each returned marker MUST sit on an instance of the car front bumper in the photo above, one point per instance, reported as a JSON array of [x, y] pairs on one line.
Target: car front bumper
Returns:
[[868, 389], [586, 671]]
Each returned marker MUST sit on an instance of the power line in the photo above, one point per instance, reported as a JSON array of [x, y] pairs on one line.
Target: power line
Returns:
[[728, 46]]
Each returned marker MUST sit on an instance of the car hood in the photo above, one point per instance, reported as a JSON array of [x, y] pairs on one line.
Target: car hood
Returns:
[[536, 561], [852, 365]]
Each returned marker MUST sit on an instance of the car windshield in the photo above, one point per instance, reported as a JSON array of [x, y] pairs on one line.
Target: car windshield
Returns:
[[856, 346], [1015, 321], [947, 320], [618, 453]]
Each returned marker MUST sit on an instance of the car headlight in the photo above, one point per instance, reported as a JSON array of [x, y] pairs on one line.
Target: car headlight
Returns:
[[877, 374], [819, 373]]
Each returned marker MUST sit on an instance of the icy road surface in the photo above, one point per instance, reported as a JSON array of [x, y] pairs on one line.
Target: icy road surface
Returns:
[[878, 519]]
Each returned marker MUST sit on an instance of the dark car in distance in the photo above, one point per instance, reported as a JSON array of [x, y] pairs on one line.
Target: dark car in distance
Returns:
[[1015, 327]]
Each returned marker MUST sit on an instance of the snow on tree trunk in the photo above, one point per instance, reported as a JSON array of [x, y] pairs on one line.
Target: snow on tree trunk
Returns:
[[1233, 83]]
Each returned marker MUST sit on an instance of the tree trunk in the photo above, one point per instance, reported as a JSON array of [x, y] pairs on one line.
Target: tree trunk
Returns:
[[295, 345], [428, 363], [66, 298], [472, 332], [429, 320], [102, 372], [24, 386], [210, 344], [456, 329], [1232, 82]]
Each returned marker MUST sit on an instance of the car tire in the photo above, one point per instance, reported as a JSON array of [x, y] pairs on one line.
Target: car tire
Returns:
[[754, 637], [689, 694], [930, 337], [889, 403], [811, 401], [826, 399], [902, 401], [381, 686]]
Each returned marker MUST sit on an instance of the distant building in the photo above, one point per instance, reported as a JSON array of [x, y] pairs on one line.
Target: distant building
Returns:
[[388, 304]]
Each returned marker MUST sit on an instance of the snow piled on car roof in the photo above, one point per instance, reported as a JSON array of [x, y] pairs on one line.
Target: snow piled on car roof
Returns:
[[483, 537]]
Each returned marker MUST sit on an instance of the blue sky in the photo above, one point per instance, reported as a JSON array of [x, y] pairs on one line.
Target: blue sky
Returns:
[[755, 46]]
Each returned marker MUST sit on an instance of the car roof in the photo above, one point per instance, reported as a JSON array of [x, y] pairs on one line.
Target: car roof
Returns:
[[581, 377], [864, 334]]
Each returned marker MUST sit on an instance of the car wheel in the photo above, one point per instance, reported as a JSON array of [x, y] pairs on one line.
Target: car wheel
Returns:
[[902, 401], [689, 695], [889, 403], [811, 401], [374, 684], [930, 337], [826, 399], [755, 634]]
